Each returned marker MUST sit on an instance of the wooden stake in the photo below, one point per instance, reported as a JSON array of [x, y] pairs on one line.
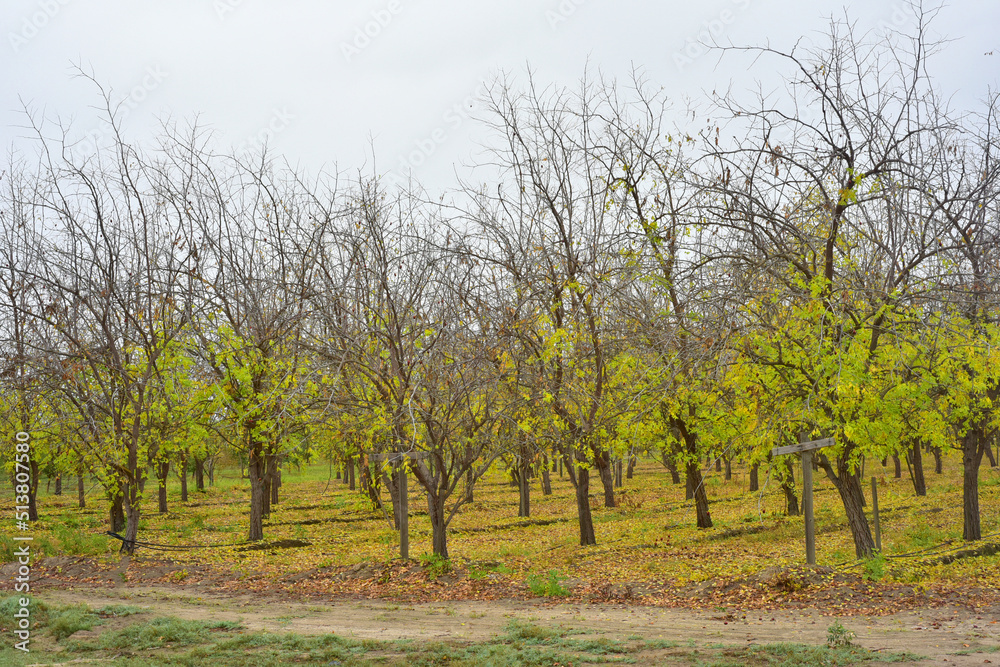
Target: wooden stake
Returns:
[[404, 516], [807, 506]]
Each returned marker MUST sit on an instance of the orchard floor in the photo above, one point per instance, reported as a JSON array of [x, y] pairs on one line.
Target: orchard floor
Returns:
[[951, 634], [327, 584]]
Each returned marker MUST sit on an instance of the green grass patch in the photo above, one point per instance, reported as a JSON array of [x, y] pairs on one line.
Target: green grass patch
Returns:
[[548, 585], [799, 655]]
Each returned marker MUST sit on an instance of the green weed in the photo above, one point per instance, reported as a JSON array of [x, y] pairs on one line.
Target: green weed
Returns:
[[874, 568], [837, 636], [435, 566]]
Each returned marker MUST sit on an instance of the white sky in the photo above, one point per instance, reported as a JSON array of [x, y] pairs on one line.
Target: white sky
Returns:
[[297, 71]]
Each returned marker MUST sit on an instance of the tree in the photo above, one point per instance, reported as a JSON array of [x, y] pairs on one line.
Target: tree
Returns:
[[258, 241], [547, 230], [108, 270], [817, 204]]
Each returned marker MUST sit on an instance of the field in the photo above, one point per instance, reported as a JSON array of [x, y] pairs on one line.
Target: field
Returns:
[[519, 589]]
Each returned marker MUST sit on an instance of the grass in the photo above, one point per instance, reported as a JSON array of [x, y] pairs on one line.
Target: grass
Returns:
[[798, 655]]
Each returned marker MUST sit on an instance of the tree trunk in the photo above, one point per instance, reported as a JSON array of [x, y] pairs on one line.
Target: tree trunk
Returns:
[[256, 471], [989, 454], [897, 469], [973, 444], [571, 471], [211, 471], [184, 477], [33, 490], [58, 490], [389, 481], [914, 457], [619, 464], [583, 507], [688, 487], [848, 486], [718, 464], [632, 461], [267, 471], [523, 489], [162, 469], [131, 506], [675, 474], [439, 529], [729, 468], [546, 478], [603, 461], [116, 513], [936, 451], [788, 487], [369, 484], [754, 478], [199, 474], [351, 485], [697, 487], [468, 485], [275, 480]]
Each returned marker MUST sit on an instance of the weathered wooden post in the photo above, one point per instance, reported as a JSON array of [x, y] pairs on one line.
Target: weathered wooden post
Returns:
[[806, 449], [397, 459], [404, 513], [807, 506]]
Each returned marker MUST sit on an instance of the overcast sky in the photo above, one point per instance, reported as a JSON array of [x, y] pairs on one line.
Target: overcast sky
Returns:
[[323, 82]]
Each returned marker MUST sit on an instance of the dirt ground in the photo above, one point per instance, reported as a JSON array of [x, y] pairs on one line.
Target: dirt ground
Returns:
[[945, 635]]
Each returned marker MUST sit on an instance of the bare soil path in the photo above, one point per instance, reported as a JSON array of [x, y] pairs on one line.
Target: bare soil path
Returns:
[[945, 635]]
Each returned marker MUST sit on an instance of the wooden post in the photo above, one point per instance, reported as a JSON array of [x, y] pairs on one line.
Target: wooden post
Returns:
[[404, 515], [806, 448], [807, 506], [878, 530]]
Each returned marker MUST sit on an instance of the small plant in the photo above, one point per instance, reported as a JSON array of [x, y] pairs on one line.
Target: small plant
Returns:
[[178, 576], [549, 585], [874, 567], [435, 565], [837, 636]]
